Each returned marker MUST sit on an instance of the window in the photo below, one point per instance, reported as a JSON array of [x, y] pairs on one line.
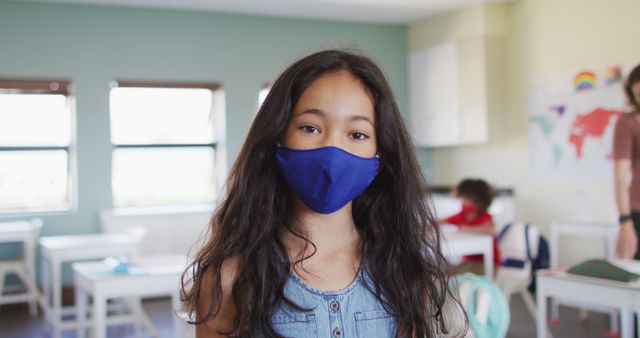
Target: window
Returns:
[[167, 143], [35, 146], [262, 94]]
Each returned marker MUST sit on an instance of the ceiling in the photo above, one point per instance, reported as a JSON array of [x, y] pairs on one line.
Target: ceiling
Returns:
[[385, 11]]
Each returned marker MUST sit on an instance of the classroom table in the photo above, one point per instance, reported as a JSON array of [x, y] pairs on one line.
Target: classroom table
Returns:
[[57, 250], [596, 291], [149, 276], [605, 231], [461, 243], [24, 232]]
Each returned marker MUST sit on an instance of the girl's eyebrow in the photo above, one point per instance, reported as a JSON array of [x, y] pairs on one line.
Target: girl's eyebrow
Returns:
[[313, 111], [321, 113], [361, 118]]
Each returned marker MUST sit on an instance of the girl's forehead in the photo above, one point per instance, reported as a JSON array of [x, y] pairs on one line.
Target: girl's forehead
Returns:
[[337, 92]]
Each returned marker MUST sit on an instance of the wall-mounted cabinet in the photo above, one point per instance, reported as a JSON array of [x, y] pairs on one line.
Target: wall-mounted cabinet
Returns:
[[456, 89]]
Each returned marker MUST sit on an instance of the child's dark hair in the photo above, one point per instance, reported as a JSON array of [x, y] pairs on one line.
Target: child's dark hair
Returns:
[[632, 79], [478, 191], [401, 249]]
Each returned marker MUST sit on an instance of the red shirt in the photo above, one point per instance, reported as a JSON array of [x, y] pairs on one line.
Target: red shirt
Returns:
[[466, 217]]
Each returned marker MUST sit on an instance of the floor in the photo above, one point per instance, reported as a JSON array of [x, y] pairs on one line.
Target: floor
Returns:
[[15, 322]]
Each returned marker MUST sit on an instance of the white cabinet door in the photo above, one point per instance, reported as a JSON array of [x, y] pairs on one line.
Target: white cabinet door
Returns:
[[434, 95], [473, 91], [448, 94]]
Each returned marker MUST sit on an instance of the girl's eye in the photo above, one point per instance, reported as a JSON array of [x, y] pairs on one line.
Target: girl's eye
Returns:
[[359, 136], [310, 129]]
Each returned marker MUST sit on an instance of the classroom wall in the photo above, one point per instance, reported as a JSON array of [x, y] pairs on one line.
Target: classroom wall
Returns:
[[93, 45], [544, 36]]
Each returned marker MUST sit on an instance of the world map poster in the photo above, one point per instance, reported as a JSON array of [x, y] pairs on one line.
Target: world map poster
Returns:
[[571, 122]]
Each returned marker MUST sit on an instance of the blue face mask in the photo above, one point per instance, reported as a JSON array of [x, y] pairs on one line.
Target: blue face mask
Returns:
[[326, 178]]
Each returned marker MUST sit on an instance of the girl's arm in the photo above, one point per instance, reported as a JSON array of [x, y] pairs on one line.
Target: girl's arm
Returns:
[[627, 237], [487, 228], [223, 320]]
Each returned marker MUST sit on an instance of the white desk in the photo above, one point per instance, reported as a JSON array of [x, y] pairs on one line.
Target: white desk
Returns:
[[463, 243], [596, 291], [606, 231], [57, 250], [160, 276], [24, 232]]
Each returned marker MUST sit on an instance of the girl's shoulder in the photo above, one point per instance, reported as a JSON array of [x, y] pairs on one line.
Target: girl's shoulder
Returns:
[[223, 320]]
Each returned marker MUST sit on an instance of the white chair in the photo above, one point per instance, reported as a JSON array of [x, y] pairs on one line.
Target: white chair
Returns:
[[512, 278], [25, 232], [486, 309]]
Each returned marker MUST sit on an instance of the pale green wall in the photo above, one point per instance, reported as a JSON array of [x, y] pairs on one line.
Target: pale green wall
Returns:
[[94, 45]]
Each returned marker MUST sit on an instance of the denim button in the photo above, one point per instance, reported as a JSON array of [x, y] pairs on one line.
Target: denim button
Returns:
[[334, 305], [337, 333]]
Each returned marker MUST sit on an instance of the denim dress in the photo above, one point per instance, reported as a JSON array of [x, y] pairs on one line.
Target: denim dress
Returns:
[[353, 312]]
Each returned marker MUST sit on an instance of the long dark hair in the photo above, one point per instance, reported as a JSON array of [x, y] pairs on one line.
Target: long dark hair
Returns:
[[394, 217], [632, 79]]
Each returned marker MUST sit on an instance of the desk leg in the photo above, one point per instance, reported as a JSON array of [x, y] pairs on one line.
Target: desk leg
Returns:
[[99, 314], [554, 239], [81, 309], [31, 276], [177, 321], [56, 277], [135, 307], [637, 313], [626, 322], [44, 280], [541, 316], [488, 263], [555, 309]]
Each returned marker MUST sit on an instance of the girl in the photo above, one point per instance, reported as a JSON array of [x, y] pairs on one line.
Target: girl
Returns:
[[476, 196], [325, 229]]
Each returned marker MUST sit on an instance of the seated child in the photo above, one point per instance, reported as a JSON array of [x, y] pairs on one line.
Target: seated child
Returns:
[[476, 196]]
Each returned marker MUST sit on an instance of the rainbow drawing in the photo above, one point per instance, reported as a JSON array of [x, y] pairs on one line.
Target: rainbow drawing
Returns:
[[585, 80]]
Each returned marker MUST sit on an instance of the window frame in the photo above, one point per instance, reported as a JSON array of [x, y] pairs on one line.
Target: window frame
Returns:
[[216, 146], [54, 87]]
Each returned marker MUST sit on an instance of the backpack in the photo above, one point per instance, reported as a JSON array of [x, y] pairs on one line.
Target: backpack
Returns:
[[521, 255], [542, 261]]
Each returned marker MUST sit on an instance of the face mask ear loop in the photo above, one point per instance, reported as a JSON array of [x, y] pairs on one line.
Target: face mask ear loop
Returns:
[[378, 155]]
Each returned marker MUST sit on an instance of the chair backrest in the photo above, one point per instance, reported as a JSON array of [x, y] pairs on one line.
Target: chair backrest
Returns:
[[36, 224], [518, 243], [169, 231], [486, 307], [523, 251]]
